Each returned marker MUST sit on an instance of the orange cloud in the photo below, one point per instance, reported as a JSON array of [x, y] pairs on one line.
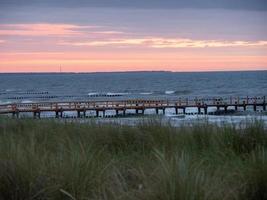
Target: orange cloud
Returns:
[[167, 43]]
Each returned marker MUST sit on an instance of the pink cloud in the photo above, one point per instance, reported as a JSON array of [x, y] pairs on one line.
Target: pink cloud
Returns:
[[43, 29], [39, 29], [166, 43]]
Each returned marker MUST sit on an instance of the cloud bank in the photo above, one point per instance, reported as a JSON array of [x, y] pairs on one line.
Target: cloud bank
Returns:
[[145, 4]]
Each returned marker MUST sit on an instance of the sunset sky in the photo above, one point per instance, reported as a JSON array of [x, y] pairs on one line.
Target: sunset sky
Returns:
[[137, 35]]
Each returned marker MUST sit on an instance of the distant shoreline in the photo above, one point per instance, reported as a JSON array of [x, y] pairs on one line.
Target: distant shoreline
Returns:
[[117, 72]]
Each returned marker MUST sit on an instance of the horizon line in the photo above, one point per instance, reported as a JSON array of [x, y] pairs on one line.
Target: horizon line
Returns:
[[132, 71]]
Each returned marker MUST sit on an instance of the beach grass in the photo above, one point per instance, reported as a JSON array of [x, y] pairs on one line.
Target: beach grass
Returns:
[[48, 159]]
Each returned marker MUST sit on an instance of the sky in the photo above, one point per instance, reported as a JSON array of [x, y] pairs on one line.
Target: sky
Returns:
[[139, 35]]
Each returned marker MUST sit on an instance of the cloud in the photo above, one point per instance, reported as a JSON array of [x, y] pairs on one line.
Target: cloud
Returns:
[[2, 41], [167, 43], [147, 4], [42, 29], [108, 32]]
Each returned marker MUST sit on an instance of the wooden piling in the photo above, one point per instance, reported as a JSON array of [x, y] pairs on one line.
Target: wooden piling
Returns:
[[199, 110], [205, 110], [176, 110]]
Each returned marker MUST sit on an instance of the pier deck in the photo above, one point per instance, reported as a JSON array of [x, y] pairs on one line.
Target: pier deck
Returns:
[[121, 106]]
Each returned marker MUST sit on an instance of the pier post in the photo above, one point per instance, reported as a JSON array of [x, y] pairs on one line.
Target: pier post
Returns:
[[244, 105], [143, 111], [184, 110], [84, 113], [157, 111], [199, 110], [56, 114], [255, 107], [163, 110], [235, 107], [104, 113], [97, 113], [117, 112], [15, 114], [218, 108], [136, 111], [225, 108], [124, 112], [205, 110], [36, 114], [78, 114], [61, 114], [176, 110]]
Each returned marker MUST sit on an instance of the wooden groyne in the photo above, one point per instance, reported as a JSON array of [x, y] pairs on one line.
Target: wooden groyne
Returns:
[[122, 106]]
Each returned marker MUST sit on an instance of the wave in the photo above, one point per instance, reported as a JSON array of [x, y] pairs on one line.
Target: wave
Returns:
[[5, 102], [169, 92], [146, 93], [26, 101], [108, 94]]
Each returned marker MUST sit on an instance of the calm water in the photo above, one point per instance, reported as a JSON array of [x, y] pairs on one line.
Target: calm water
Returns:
[[147, 85]]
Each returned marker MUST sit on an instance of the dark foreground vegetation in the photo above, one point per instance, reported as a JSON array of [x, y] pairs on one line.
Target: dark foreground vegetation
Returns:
[[52, 160]]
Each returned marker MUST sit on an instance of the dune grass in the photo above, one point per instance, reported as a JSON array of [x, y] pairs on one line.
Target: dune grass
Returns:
[[45, 159]]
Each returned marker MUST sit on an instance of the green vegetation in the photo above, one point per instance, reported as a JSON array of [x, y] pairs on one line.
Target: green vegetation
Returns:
[[45, 159]]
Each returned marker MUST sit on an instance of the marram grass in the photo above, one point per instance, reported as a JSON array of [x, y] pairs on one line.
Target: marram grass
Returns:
[[45, 159]]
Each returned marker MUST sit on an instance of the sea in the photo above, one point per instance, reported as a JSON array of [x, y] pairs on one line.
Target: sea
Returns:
[[44, 87]]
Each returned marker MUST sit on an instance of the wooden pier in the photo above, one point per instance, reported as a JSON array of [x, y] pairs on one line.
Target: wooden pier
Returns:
[[122, 106]]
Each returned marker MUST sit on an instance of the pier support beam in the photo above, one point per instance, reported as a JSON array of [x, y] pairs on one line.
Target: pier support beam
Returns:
[[157, 111], [225, 108], [206, 110], [163, 110], [199, 110], [97, 113], [78, 114], [184, 110], [117, 113], [84, 113], [235, 107], [15, 114], [244, 105], [124, 112], [36, 114], [176, 110], [255, 107]]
